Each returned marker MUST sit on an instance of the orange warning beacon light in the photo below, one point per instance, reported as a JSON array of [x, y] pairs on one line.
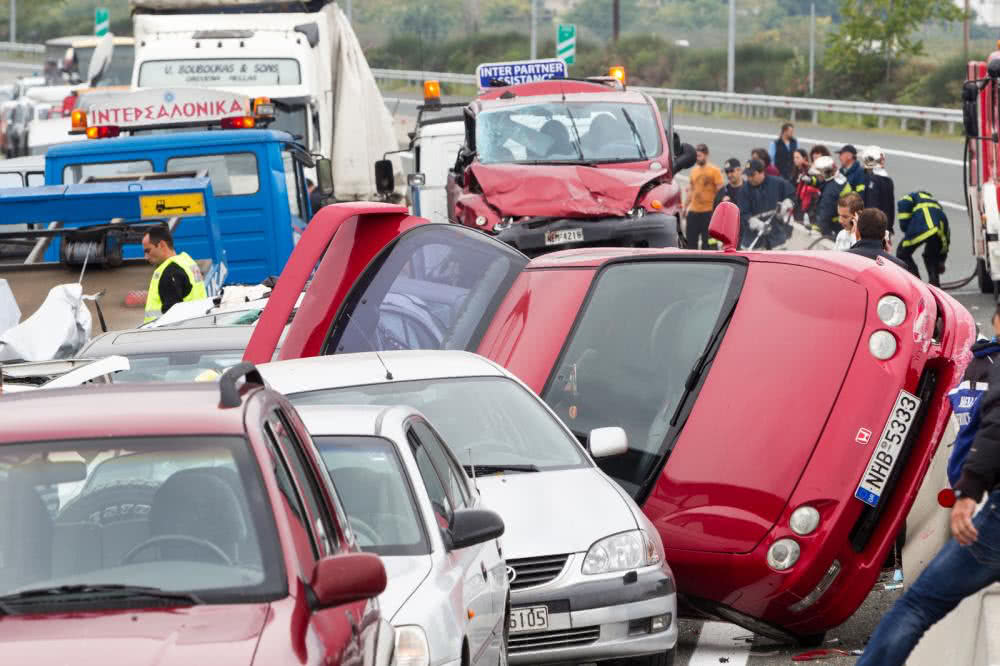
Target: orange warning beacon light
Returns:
[[432, 92], [617, 72]]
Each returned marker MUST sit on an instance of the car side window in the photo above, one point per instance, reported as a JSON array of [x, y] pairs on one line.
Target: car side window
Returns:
[[432, 481], [286, 487], [447, 468], [323, 528]]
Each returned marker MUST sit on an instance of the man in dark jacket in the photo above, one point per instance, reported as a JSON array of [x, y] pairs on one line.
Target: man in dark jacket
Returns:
[[967, 563], [924, 223], [877, 191], [966, 398], [735, 190], [782, 152], [851, 169], [870, 234], [764, 194], [830, 183]]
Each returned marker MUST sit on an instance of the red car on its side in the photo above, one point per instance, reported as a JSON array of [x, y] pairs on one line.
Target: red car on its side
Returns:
[[566, 163], [782, 408], [176, 524]]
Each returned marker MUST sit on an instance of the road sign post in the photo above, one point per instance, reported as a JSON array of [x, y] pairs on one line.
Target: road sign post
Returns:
[[566, 42], [102, 21]]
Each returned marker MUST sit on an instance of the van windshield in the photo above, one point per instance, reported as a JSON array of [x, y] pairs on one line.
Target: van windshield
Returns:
[[629, 357]]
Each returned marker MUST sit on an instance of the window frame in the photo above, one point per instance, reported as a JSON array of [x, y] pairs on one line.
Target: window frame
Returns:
[[223, 154]]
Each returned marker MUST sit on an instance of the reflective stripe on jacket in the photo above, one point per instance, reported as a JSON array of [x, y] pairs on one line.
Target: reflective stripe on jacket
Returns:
[[154, 306], [920, 217]]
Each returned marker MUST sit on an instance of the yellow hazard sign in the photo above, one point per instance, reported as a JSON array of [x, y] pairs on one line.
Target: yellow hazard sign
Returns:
[[172, 205]]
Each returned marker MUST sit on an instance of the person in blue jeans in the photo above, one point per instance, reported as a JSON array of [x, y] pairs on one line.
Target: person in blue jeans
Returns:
[[969, 561]]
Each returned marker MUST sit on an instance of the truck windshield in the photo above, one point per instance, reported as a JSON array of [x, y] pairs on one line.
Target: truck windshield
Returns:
[[75, 173], [629, 358], [568, 131], [231, 174]]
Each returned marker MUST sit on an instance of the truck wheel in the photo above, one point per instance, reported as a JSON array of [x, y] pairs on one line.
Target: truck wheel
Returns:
[[983, 275]]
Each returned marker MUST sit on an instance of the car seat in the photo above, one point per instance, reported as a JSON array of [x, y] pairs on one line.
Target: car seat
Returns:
[[604, 130], [25, 534], [561, 144], [197, 503]]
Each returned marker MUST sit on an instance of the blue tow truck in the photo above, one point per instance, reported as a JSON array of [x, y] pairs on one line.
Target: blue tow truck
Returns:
[[257, 175], [92, 232]]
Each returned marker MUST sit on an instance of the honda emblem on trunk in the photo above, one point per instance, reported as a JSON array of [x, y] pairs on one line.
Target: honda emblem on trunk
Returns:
[[864, 436]]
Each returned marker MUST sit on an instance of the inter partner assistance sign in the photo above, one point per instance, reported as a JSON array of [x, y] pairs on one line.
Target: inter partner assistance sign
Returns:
[[521, 71], [153, 108]]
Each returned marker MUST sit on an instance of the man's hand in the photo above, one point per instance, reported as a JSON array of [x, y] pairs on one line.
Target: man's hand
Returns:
[[961, 521]]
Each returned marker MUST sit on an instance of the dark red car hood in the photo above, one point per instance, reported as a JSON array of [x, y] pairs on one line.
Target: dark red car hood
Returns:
[[549, 190], [182, 637]]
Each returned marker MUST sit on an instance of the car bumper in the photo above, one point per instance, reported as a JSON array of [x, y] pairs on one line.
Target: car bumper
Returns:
[[652, 230], [595, 620]]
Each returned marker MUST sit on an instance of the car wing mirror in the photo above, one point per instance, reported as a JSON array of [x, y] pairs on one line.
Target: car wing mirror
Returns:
[[685, 158], [385, 182], [324, 174], [474, 526], [607, 442], [725, 225], [347, 578], [970, 108]]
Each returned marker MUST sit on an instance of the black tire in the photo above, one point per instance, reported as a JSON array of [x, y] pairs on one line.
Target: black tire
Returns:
[[811, 640], [659, 659], [983, 277]]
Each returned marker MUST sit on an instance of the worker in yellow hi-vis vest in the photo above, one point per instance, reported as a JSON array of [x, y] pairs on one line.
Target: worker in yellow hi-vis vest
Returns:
[[923, 223], [176, 278]]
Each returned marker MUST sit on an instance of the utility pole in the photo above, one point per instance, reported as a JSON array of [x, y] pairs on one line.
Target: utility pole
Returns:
[[615, 20], [731, 55], [13, 20], [812, 48], [534, 29], [965, 32]]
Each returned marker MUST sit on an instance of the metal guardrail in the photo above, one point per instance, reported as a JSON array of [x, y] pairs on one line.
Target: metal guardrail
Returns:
[[14, 47], [748, 104]]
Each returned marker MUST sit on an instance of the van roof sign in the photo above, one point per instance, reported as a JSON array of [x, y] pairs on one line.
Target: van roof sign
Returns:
[[147, 109], [520, 71]]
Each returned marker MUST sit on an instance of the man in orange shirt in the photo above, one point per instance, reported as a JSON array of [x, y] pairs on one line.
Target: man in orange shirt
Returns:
[[706, 181]]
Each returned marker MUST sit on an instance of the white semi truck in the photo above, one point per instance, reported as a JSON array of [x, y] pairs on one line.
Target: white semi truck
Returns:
[[308, 62]]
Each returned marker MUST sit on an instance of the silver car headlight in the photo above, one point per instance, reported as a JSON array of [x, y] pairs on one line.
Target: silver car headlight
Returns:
[[783, 554], [891, 310], [882, 345], [411, 646], [621, 552]]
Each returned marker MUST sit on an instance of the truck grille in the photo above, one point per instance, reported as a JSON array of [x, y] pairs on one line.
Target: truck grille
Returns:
[[865, 526], [532, 571], [550, 640]]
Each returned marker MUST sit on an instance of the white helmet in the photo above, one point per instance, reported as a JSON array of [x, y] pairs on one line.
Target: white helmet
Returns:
[[871, 157], [824, 167]]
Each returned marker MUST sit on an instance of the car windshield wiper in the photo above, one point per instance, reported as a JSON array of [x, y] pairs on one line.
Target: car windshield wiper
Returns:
[[588, 163], [635, 133], [115, 591], [699, 366], [576, 131], [493, 469]]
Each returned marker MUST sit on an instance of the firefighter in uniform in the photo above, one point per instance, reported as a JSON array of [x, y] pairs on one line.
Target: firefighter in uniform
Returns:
[[924, 223], [177, 277]]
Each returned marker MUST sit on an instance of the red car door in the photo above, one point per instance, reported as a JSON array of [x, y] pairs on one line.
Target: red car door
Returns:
[[379, 278]]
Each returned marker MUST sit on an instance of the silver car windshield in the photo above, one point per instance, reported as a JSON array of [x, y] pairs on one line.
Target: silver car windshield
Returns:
[[486, 421], [178, 514], [376, 494], [571, 131]]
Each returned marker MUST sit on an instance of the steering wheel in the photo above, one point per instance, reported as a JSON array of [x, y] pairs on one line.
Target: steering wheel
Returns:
[[181, 538], [364, 529]]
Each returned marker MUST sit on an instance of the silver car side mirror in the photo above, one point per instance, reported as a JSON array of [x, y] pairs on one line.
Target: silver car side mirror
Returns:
[[606, 442]]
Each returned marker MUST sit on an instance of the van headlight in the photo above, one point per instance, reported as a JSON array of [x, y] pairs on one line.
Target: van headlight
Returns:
[[411, 646], [783, 554], [891, 310], [621, 552]]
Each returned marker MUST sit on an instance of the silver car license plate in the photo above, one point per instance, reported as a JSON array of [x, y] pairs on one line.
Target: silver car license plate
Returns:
[[532, 618], [886, 452], [563, 236]]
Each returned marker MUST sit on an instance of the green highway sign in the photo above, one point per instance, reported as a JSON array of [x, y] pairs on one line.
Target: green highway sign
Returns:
[[102, 21], [566, 42]]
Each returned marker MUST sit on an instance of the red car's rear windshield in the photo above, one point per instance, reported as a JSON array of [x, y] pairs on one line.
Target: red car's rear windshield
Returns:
[[176, 514], [630, 359]]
